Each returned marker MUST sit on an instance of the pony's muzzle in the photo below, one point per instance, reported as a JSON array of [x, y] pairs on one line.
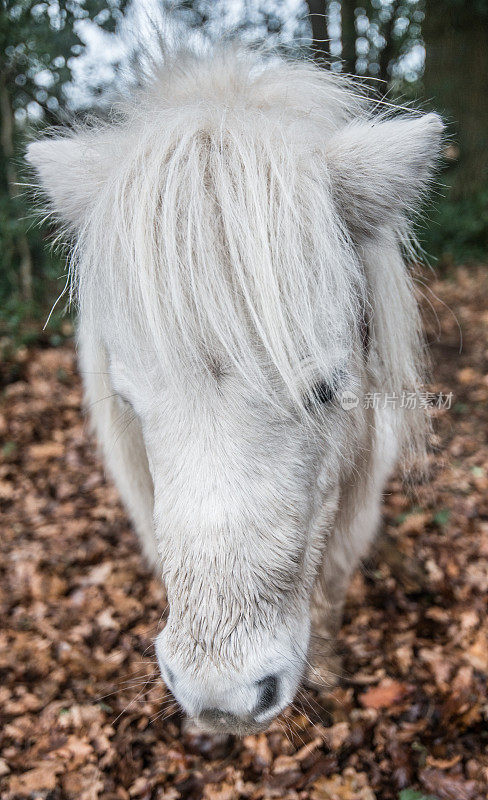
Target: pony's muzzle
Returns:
[[259, 702], [240, 694]]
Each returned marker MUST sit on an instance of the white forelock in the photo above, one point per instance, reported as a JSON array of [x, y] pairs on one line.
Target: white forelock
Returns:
[[226, 210]]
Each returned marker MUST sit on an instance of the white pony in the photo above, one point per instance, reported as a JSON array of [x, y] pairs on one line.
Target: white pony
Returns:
[[238, 231]]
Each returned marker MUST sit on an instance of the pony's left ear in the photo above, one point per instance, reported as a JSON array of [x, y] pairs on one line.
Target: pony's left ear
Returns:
[[71, 170], [380, 169]]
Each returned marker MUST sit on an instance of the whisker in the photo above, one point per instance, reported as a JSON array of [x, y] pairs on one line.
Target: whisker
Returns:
[[127, 688]]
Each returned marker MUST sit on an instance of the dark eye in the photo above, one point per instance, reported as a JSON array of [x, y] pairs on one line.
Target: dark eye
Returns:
[[322, 392]]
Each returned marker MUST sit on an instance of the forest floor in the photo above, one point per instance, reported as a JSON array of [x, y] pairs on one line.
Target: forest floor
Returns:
[[83, 714]]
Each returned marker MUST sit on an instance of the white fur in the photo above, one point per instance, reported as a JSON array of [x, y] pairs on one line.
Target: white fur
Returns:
[[231, 228]]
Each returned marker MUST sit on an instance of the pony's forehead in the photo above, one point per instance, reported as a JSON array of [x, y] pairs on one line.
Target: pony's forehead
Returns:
[[235, 81]]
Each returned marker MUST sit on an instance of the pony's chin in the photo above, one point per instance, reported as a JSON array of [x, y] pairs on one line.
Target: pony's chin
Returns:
[[230, 725]]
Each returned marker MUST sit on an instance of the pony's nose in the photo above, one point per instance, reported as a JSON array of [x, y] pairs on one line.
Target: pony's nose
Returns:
[[238, 696]]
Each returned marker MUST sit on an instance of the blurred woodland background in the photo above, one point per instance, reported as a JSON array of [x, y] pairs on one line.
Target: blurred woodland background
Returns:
[[60, 59]]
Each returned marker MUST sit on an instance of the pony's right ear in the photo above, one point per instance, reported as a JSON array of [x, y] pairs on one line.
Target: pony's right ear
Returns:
[[71, 170]]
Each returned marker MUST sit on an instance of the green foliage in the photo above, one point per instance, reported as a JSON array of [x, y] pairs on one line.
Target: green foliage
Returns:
[[21, 321], [262, 21], [457, 231], [376, 35], [441, 517], [462, 10], [413, 794], [38, 41]]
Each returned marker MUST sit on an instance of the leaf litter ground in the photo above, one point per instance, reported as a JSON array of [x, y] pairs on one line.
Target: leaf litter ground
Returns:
[[83, 714]]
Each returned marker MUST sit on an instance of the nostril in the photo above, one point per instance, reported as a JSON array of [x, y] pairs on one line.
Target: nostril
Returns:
[[268, 693]]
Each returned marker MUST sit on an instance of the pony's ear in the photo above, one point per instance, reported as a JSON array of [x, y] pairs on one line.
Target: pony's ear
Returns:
[[71, 170], [380, 169]]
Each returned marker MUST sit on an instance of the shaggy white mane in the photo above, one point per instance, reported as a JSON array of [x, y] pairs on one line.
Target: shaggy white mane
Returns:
[[249, 213]]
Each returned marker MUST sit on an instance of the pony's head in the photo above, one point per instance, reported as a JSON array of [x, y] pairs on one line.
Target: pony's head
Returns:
[[236, 258]]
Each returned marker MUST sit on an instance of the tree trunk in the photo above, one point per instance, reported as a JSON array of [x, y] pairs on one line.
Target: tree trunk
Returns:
[[7, 142], [317, 10], [388, 51], [456, 84], [348, 26]]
